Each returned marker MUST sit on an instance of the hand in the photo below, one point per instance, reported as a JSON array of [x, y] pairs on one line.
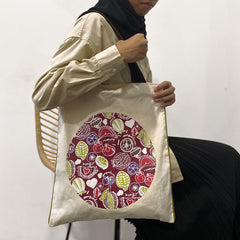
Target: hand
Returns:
[[133, 49], [164, 94]]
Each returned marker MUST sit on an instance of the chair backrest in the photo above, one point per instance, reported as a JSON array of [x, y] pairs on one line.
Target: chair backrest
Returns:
[[46, 123]]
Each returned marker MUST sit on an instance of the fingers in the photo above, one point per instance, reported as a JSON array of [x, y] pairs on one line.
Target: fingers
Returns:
[[166, 104], [133, 49], [162, 85], [164, 94], [165, 98]]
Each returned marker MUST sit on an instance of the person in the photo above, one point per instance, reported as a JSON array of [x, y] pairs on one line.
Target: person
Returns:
[[207, 201]]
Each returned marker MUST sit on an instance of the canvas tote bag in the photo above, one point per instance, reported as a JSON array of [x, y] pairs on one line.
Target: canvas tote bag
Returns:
[[113, 157]]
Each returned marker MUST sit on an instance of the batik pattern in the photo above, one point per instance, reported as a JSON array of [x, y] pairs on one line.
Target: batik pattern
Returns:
[[111, 161]]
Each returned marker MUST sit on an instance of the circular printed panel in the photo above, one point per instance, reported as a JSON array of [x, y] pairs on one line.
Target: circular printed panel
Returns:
[[111, 161]]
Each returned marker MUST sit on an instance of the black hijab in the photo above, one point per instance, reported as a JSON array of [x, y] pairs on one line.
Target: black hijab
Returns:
[[125, 21]]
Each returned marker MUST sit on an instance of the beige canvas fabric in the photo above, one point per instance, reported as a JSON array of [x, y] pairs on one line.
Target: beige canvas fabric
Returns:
[[135, 101]]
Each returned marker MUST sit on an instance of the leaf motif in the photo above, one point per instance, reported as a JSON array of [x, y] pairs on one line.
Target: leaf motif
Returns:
[[147, 140], [81, 150], [104, 194], [110, 201], [118, 125], [109, 115], [122, 180], [102, 162], [140, 134], [68, 169], [79, 186]]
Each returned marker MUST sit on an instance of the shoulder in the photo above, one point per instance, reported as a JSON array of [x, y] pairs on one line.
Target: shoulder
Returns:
[[88, 24], [94, 29]]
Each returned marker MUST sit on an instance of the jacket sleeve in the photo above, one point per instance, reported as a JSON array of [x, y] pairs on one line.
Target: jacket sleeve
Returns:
[[74, 71]]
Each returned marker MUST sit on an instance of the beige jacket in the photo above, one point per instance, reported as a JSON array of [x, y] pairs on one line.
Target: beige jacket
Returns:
[[87, 57]]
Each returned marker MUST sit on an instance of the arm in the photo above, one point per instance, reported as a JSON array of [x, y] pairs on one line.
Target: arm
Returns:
[[83, 61], [75, 70]]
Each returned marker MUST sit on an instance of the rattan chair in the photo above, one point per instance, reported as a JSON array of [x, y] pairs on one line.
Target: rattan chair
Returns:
[[46, 123]]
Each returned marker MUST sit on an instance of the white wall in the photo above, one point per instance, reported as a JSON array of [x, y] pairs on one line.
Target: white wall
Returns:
[[194, 44]]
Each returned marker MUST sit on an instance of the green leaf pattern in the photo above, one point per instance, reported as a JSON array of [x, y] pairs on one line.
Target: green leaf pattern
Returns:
[[118, 125], [110, 200], [81, 150], [122, 180]]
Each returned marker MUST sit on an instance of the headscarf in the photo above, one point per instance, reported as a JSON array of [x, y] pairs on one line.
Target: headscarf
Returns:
[[122, 15], [126, 21]]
